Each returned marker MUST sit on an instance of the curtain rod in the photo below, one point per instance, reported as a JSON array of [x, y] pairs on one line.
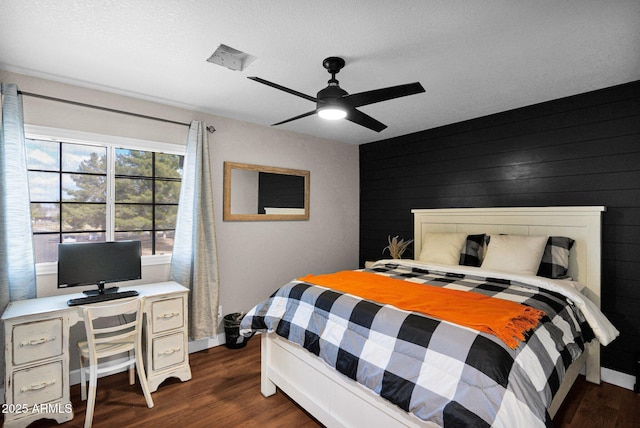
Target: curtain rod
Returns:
[[210, 128]]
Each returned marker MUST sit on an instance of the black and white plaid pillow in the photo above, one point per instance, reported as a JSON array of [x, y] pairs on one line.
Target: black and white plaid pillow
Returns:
[[555, 259], [471, 254]]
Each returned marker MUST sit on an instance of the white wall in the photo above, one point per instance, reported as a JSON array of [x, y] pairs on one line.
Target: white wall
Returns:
[[254, 257]]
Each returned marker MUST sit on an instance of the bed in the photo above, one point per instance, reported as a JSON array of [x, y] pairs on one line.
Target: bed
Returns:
[[327, 389]]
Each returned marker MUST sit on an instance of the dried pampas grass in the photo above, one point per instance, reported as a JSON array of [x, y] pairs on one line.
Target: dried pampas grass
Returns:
[[397, 246]]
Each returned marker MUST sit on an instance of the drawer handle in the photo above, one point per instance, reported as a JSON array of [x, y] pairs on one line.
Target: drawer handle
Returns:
[[37, 386], [170, 351], [169, 315], [34, 342]]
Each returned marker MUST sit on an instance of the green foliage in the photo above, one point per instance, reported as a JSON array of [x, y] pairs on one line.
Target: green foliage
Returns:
[[69, 191], [87, 188], [134, 192]]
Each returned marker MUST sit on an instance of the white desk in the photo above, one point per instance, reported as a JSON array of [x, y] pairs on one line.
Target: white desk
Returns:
[[37, 350]]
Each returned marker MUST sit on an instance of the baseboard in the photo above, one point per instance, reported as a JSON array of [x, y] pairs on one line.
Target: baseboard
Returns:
[[620, 379], [202, 344]]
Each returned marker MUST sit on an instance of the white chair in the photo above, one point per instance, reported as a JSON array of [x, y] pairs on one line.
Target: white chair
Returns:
[[103, 342]]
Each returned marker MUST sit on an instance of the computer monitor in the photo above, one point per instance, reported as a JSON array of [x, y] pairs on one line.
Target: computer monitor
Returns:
[[98, 263]]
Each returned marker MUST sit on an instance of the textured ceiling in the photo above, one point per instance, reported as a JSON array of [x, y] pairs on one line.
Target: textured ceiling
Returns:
[[473, 57]]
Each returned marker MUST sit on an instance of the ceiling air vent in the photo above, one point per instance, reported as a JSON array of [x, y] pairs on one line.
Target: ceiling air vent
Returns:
[[231, 58]]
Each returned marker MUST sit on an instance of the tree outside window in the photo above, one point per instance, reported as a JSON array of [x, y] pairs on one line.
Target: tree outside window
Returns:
[[70, 186]]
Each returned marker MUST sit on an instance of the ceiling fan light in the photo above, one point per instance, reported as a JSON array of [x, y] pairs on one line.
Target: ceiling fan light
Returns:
[[332, 113]]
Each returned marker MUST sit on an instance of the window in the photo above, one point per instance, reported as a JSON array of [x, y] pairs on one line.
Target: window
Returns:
[[147, 189], [87, 191]]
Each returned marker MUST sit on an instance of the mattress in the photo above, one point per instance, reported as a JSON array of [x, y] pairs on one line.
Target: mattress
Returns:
[[438, 370]]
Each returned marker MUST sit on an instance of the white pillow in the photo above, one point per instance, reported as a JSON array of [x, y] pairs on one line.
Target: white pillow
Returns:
[[514, 253], [442, 247]]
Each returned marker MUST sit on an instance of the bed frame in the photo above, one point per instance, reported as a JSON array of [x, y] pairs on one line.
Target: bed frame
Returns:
[[337, 401]]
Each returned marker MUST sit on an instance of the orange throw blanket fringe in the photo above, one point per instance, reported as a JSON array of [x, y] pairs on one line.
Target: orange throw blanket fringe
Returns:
[[504, 319]]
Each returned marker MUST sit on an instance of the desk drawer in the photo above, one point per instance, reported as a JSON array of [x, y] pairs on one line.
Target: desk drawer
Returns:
[[36, 340], [38, 385], [167, 314], [169, 351]]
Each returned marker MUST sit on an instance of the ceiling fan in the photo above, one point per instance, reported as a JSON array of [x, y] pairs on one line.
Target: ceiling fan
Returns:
[[334, 103]]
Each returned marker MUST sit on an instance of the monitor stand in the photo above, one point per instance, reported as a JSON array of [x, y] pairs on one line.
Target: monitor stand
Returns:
[[100, 290]]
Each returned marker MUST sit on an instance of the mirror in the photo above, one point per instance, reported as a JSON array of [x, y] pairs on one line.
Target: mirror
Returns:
[[260, 193]]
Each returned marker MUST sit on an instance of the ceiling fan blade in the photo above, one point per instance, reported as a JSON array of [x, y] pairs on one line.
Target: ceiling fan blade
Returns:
[[356, 116], [377, 95], [282, 88], [309, 113]]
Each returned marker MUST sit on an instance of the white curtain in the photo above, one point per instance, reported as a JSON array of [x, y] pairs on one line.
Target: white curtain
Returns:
[[194, 263], [17, 267]]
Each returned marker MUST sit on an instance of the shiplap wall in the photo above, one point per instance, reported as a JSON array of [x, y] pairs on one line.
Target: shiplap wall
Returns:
[[580, 150]]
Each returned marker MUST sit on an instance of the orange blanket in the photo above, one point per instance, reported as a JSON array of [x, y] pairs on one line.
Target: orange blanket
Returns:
[[504, 319]]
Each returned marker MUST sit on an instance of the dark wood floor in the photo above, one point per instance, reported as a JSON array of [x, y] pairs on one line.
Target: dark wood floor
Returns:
[[225, 392]]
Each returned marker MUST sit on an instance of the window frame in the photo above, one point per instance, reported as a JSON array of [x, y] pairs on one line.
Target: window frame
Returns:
[[111, 142]]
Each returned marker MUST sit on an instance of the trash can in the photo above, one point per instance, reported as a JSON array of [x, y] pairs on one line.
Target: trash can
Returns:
[[234, 340]]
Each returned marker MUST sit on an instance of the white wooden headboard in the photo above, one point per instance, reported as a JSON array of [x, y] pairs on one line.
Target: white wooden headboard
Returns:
[[580, 223]]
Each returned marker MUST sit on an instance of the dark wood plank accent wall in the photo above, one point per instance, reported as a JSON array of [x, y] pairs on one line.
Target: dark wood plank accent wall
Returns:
[[580, 150]]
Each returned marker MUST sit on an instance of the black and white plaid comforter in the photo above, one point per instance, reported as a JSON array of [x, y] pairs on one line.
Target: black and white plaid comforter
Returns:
[[441, 372]]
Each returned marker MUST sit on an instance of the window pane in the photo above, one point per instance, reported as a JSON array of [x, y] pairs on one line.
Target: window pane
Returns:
[[79, 158], [84, 237], [134, 162], [143, 237], [45, 217], [46, 247], [133, 217], [69, 201], [43, 155], [134, 190], [44, 186], [164, 242], [168, 166], [167, 192], [166, 216], [83, 217], [84, 188]]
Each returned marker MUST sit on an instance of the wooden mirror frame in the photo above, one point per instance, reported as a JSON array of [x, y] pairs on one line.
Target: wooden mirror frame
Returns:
[[227, 215]]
